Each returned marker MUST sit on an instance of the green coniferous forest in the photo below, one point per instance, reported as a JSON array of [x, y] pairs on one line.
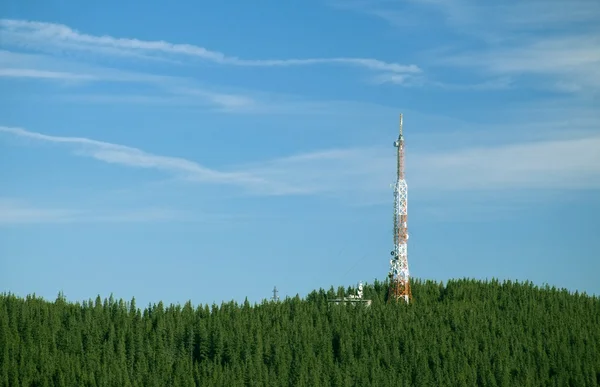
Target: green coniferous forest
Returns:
[[463, 333]]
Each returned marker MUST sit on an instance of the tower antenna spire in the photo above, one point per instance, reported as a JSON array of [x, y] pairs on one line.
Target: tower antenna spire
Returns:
[[399, 274]]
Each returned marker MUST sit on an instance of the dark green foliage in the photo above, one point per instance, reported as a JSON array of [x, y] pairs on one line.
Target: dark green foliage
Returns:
[[466, 333]]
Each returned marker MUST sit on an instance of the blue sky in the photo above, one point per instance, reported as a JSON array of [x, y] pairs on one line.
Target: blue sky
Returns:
[[210, 152]]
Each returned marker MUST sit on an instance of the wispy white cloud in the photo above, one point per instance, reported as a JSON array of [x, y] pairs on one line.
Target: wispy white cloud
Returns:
[[271, 104], [365, 173], [571, 63], [487, 21], [134, 157], [397, 79], [499, 83], [43, 74], [537, 43], [551, 164], [516, 15], [167, 89], [50, 37], [332, 172], [228, 101], [215, 102], [15, 212], [16, 64], [325, 172], [161, 90]]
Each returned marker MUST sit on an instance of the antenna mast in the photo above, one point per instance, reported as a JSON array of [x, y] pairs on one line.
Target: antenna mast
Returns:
[[399, 275], [275, 296]]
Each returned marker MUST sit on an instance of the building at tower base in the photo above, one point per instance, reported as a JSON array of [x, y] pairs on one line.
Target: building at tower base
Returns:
[[355, 299]]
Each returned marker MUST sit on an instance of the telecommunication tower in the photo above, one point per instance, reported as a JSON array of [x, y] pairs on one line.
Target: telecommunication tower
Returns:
[[399, 275], [275, 296]]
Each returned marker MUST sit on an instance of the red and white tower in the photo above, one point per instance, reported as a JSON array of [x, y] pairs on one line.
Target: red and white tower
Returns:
[[399, 275]]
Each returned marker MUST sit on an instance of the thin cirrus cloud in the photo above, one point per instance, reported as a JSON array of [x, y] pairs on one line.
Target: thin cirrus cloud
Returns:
[[27, 65], [545, 44], [15, 212], [487, 21], [51, 37], [133, 157], [365, 173], [498, 83], [550, 164], [44, 74], [569, 63], [125, 155], [167, 89]]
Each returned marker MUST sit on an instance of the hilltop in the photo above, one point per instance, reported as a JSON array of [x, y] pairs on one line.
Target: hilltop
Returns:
[[461, 333]]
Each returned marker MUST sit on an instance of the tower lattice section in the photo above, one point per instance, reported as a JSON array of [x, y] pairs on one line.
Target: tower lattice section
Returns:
[[399, 274]]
